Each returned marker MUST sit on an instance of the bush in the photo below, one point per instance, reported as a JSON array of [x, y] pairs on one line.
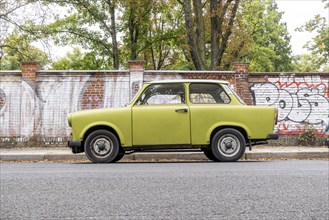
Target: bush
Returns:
[[308, 136]]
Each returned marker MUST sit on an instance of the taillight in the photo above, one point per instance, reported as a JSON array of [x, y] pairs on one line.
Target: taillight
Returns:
[[276, 116]]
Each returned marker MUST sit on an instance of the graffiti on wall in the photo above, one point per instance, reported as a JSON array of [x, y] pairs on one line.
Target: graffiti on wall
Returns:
[[27, 110], [300, 101]]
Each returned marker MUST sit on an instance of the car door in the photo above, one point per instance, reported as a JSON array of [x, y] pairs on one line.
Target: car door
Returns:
[[209, 105], [161, 116]]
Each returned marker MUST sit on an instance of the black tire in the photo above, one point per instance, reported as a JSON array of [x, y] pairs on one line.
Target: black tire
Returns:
[[210, 155], [228, 145], [120, 155], [102, 146]]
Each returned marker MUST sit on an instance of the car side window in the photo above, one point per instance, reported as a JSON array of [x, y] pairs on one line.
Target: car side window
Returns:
[[208, 93], [158, 94]]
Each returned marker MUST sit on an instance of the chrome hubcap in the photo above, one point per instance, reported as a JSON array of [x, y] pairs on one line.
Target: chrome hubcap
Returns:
[[228, 145], [102, 146]]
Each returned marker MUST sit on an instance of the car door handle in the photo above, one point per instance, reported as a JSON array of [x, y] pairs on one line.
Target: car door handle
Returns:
[[181, 110]]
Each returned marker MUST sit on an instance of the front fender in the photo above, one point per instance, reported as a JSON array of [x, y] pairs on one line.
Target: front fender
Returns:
[[106, 124]]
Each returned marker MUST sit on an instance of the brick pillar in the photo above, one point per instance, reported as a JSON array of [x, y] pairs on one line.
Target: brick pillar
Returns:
[[136, 70], [240, 67], [29, 70], [241, 79]]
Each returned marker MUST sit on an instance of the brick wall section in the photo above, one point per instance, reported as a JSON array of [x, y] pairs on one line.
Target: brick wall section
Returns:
[[93, 96], [241, 81], [136, 65], [228, 76], [29, 70], [2, 99]]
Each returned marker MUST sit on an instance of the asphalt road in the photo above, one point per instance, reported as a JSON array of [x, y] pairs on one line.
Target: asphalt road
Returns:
[[200, 190]]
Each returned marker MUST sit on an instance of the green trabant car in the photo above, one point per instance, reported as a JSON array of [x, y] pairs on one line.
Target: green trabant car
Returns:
[[205, 115]]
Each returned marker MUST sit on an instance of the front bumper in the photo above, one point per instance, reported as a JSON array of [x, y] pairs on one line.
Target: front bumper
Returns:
[[76, 146]]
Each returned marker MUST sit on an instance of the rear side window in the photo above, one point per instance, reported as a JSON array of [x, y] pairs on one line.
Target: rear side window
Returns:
[[208, 93]]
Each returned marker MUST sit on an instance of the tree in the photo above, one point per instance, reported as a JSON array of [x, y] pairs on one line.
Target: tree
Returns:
[[319, 46], [16, 17], [17, 49], [168, 34], [260, 38], [249, 31], [77, 60], [153, 33], [89, 23], [221, 16], [306, 63]]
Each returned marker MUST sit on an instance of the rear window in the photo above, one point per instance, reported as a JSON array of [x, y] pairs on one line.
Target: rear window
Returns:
[[208, 93]]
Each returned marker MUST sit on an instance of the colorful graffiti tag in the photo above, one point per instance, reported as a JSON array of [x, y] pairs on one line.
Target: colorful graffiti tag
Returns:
[[300, 101]]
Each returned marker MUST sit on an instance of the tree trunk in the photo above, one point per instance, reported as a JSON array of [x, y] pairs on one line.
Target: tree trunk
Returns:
[[133, 33], [228, 32], [220, 33], [190, 34], [115, 55], [214, 32], [200, 32]]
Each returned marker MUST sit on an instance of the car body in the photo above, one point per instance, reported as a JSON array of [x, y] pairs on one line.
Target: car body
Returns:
[[202, 115]]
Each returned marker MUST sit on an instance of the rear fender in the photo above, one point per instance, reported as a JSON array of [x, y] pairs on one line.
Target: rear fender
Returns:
[[217, 126]]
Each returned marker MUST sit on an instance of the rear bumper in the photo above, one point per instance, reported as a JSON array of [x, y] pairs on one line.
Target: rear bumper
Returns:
[[273, 137]]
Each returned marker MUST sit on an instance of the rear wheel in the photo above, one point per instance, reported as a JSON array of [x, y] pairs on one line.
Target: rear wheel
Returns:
[[228, 145], [102, 146]]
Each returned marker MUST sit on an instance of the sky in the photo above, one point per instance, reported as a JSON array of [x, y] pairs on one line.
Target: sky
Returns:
[[296, 14]]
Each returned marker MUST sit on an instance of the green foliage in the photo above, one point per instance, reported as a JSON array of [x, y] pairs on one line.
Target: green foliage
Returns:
[[77, 60], [87, 24], [151, 30], [17, 49], [265, 42], [307, 63], [308, 136], [319, 46]]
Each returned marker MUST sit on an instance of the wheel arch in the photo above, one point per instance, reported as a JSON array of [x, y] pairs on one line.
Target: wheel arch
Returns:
[[101, 127], [238, 128]]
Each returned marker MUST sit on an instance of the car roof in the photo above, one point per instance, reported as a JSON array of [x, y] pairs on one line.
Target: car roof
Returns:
[[188, 81]]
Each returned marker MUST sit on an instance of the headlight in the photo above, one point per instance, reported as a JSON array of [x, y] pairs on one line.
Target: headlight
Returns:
[[325, 125]]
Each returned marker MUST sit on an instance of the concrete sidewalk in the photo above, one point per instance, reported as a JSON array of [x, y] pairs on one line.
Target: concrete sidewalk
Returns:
[[257, 153]]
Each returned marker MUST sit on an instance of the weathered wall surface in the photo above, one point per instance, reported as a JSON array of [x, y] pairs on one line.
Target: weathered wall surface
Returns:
[[34, 104]]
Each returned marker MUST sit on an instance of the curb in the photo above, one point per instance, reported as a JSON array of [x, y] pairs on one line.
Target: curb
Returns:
[[195, 156], [287, 155]]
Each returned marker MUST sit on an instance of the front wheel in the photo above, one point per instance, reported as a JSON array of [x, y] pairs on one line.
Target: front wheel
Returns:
[[102, 146], [208, 153], [120, 155], [228, 145]]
